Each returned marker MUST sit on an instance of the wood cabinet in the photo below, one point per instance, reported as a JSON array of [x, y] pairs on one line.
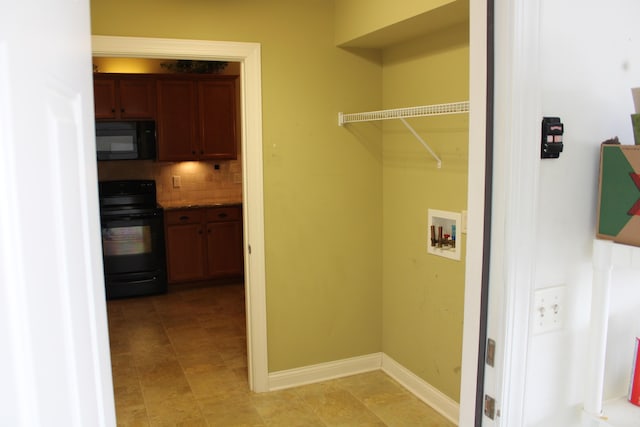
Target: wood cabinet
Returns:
[[196, 118], [124, 96], [224, 242], [217, 119], [184, 236], [176, 120], [204, 243]]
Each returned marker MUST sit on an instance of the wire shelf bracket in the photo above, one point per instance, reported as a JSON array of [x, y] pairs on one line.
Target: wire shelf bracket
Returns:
[[408, 112]]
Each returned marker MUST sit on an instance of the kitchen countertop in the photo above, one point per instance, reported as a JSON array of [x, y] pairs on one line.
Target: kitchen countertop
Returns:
[[182, 204]]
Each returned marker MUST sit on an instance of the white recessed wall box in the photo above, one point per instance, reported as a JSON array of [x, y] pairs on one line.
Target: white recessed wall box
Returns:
[[443, 233]]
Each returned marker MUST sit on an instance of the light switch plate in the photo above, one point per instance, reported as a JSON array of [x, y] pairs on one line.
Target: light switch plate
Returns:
[[548, 309]]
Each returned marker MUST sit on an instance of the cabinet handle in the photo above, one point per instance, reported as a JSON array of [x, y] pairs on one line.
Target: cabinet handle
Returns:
[[201, 151], [122, 110], [113, 110], [184, 218], [222, 215]]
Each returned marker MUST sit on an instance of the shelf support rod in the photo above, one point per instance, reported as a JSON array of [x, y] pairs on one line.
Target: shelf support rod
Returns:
[[439, 162]]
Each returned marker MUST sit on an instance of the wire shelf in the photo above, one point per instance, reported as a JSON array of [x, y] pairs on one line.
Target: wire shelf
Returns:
[[403, 113]]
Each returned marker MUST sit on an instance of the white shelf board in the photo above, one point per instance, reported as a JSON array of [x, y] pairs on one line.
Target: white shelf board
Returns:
[[618, 413], [615, 412], [625, 256]]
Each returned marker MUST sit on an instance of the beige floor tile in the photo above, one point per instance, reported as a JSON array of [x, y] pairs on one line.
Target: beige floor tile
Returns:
[[374, 388], [196, 359], [128, 396], [181, 410], [239, 412], [285, 408], [211, 381], [336, 408], [152, 354], [411, 413], [131, 416], [161, 371]]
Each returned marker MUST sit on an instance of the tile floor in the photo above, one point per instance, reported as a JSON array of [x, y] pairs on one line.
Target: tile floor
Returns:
[[180, 360]]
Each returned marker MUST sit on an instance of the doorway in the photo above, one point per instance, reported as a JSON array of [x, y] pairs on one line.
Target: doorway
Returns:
[[248, 55]]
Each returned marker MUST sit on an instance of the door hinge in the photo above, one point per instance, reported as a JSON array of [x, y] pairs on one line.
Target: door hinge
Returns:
[[490, 357], [489, 406], [249, 249]]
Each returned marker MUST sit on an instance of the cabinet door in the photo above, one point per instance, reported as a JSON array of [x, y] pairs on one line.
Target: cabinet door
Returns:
[[185, 252], [224, 249], [217, 111], [137, 98], [176, 120], [104, 97]]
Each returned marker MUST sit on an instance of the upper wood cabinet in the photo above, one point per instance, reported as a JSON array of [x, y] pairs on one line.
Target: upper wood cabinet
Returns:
[[217, 114], [124, 96], [196, 117], [176, 120]]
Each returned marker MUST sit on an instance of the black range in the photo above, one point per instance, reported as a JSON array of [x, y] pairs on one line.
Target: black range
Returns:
[[133, 245]]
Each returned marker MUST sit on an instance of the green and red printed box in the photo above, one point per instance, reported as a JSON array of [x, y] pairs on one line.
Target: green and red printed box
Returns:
[[619, 194]]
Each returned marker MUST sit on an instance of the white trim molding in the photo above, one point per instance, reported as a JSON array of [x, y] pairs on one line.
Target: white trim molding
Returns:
[[424, 391], [248, 54], [515, 203], [475, 210], [324, 371]]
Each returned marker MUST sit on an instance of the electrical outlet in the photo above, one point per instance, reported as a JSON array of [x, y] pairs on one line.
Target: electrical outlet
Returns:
[[548, 309], [177, 181]]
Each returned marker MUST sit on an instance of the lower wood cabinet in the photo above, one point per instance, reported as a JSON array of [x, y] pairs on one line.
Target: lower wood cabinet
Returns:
[[204, 243]]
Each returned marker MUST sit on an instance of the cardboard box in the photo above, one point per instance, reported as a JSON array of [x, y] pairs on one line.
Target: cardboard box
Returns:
[[635, 122], [619, 194]]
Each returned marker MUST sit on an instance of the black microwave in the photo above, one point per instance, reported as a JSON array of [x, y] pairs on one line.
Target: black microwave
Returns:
[[134, 140]]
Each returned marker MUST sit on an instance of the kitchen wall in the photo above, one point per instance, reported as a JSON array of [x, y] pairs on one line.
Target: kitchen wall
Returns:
[[590, 60]]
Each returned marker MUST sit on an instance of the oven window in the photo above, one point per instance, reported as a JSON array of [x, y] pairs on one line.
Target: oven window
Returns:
[[129, 240]]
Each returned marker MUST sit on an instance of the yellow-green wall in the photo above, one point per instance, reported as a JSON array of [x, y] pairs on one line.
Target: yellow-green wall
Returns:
[[423, 293], [322, 192], [341, 282]]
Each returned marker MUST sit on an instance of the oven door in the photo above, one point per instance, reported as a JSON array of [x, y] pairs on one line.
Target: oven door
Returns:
[[133, 243]]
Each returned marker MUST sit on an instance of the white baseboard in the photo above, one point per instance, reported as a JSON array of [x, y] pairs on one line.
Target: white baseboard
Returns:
[[424, 391], [324, 371]]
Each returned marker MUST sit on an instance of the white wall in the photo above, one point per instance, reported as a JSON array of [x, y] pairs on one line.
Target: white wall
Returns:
[[590, 58]]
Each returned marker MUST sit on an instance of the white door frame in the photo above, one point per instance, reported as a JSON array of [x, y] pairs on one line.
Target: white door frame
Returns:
[[248, 54], [476, 210], [517, 115]]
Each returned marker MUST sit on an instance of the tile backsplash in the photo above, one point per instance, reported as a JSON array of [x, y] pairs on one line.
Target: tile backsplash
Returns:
[[199, 181]]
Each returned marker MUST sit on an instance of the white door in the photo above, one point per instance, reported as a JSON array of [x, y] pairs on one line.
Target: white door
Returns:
[[54, 362]]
